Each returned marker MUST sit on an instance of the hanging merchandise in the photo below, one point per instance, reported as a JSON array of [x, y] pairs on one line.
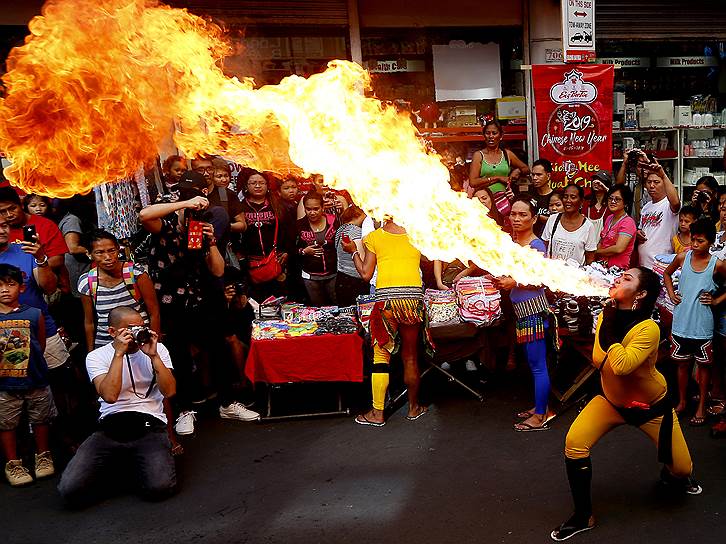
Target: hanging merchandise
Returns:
[[116, 208], [142, 187]]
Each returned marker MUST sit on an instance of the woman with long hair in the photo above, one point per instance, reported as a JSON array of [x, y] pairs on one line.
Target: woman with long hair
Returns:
[[633, 392], [492, 166], [706, 197], [315, 242]]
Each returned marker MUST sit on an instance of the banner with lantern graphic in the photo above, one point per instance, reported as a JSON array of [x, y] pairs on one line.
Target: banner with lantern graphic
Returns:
[[574, 107]]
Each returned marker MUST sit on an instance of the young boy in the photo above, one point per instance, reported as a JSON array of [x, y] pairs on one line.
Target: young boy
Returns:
[[693, 324], [23, 379], [682, 238]]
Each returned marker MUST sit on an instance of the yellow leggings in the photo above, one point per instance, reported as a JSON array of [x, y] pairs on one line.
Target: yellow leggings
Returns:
[[600, 417]]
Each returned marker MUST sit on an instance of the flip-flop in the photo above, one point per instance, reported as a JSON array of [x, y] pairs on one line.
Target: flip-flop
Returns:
[[527, 428], [717, 408], [414, 418], [697, 421], [525, 414], [366, 421], [177, 450]]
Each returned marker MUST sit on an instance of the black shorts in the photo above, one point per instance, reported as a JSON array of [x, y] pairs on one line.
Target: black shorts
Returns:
[[683, 350]]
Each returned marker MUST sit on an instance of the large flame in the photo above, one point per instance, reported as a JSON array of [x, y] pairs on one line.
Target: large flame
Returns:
[[99, 84]]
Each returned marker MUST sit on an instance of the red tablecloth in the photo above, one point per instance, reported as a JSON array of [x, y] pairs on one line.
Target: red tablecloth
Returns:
[[324, 358]]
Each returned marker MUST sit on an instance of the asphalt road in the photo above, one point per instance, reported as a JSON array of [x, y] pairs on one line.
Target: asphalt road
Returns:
[[458, 474]]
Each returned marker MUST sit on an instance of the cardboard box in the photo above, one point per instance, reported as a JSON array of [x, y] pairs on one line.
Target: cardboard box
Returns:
[[619, 103], [511, 107], [660, 113]]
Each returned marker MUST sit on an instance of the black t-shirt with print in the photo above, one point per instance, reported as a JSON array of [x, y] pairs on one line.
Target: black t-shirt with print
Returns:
[[543, 202]]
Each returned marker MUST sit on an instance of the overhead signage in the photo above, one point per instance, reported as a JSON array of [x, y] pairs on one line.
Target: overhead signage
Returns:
[[578, 30], [574, 106], [626, 62], [686, 62], [393, 66]]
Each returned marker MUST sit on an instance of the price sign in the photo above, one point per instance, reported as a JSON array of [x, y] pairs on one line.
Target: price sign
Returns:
[[578, 30]]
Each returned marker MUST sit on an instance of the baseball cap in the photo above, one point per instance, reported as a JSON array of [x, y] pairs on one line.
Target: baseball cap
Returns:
[[191, 184], [604, 177]]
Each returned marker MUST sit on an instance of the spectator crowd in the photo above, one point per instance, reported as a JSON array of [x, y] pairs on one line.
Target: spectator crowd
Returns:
[[109, 347]]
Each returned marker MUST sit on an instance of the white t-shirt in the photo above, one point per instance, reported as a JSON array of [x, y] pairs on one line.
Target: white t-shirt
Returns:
[[99, 361], [566, 245], [658, 223]]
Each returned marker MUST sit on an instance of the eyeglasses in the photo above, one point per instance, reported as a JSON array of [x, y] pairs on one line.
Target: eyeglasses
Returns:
[[204, 170], [615, 199]]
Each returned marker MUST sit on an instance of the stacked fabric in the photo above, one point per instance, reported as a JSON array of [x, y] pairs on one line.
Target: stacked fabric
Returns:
[[365, 305], [278, 329], [660, 264], [441, 307], [478, 301], [340, 324]]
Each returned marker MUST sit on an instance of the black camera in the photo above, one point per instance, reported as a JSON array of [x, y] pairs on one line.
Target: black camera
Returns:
[[240, 289], [632, 159], [702, 197], [141, 334]]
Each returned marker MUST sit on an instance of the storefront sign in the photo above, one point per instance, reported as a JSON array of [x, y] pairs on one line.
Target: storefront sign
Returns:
[[574, 107], [578, 30], [686, 62], [626, 62], [393, 66]]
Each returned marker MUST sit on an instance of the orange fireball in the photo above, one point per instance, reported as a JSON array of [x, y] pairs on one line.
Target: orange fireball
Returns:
[[100, 83]]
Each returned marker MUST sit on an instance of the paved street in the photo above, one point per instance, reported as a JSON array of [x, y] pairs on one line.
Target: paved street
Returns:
[[459, 475]]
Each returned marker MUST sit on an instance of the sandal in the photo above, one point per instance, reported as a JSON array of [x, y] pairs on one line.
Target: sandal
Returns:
[[718, 408], [697, 421], [527, 428], [363, 420], [177, 450], [525, 414], [422, 412]]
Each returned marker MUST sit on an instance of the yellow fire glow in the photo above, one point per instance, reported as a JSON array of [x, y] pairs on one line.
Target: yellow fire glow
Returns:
[[98, 84]]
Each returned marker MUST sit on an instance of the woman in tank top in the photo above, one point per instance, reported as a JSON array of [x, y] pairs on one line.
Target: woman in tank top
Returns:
[[492, 166]]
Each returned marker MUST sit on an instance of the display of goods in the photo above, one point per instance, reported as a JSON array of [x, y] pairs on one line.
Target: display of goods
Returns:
[[441, 306], [365, 305], [341, 324], [271, 308], [277, 329], [479, 301]]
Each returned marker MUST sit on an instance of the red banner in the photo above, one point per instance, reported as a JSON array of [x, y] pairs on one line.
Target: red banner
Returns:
[[574, 107]]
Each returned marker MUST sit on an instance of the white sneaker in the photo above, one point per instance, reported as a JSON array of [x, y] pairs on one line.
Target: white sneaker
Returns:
[[185, 423], [237, 410], [445, 366], [470, 366]]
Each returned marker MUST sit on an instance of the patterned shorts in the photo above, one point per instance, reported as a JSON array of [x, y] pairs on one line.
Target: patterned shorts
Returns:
[[37, 402], [683, 350]]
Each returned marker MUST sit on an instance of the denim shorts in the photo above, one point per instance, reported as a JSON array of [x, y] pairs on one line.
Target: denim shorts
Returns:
[[37, 402]]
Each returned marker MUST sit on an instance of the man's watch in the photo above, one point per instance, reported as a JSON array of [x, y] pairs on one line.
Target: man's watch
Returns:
[[42, 263]]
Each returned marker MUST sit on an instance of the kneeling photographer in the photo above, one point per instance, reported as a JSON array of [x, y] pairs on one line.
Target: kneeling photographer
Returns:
[[238, 320], [132, 376], [186, 266]]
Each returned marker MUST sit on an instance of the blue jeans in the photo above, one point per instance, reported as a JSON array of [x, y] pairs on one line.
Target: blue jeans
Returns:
[[537, 359], [148, 460]]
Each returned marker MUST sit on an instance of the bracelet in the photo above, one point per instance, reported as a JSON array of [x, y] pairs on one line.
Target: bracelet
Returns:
[[357, 253], [44, 262]]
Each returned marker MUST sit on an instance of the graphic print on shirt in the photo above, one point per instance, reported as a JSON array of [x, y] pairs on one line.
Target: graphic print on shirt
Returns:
[[14, 348], [651, 220]]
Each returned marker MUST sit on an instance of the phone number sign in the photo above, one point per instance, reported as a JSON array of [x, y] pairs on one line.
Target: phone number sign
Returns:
[[578, 30]]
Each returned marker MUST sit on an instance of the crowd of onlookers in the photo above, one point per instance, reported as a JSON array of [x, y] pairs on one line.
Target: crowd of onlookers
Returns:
[[140, 333]]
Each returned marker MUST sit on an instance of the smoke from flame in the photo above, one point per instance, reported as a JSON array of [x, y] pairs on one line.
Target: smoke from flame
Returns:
[[99, 84]]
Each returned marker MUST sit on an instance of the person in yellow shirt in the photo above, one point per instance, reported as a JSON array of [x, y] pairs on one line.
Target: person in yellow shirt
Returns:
[[398, 319], [634, 392], [682, 238]]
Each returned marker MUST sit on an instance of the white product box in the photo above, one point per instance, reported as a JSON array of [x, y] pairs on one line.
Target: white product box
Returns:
[[661, 113], [683, 116]]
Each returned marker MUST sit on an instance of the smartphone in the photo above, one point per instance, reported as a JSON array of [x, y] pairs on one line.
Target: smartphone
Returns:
[[195, 234], [29, 233]]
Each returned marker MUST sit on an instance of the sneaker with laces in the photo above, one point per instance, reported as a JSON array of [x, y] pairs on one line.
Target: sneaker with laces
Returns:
[[185, 423], [17, 474], [43, 465], [237, 410]]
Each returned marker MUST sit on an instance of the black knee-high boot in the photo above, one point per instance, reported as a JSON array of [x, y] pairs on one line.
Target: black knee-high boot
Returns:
[[579, 473]]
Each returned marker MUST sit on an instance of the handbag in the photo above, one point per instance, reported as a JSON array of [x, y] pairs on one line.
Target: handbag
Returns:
[[502, 202], [264, 269]]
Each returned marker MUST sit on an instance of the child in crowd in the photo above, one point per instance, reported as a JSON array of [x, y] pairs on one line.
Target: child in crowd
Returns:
[[555, 204], [23, 379], [37, 205], [693, 322], [173, 168], [682, 238]]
